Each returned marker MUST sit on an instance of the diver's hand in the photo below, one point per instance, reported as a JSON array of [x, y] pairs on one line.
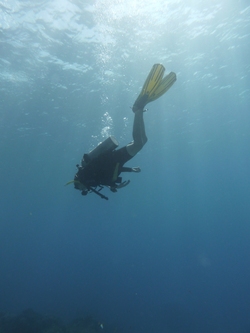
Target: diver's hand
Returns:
[[136, 169], [123, 184]]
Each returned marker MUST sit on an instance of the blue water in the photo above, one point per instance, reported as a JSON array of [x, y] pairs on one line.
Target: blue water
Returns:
[[170, 252]]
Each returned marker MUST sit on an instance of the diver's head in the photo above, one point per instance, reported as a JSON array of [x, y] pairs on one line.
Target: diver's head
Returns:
[[81, 187], [78, 181]]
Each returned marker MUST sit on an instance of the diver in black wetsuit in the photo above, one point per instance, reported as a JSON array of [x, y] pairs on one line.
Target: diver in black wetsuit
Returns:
[[103, 166]]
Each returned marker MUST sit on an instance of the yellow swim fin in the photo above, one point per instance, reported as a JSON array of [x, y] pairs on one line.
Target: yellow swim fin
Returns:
[[154, 86]]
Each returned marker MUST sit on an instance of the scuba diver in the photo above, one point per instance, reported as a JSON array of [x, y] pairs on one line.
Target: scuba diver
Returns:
[[104, 164]]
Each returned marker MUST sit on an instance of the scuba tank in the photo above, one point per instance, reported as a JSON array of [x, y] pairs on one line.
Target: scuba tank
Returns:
[[106, 146]]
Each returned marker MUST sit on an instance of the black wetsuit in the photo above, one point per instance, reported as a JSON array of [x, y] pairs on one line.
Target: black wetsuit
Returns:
[[104, 170]]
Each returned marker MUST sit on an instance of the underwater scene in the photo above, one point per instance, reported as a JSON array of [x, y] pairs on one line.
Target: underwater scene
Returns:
[[148, 232]]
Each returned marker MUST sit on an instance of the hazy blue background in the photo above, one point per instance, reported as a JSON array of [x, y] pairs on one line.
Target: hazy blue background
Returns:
[[170, 252]]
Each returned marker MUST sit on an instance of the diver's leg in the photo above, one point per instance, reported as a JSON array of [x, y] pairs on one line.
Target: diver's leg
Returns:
[[139, 134]]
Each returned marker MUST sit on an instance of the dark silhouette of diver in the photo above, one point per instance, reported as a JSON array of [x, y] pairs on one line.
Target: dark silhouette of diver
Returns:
[[104, 164]]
